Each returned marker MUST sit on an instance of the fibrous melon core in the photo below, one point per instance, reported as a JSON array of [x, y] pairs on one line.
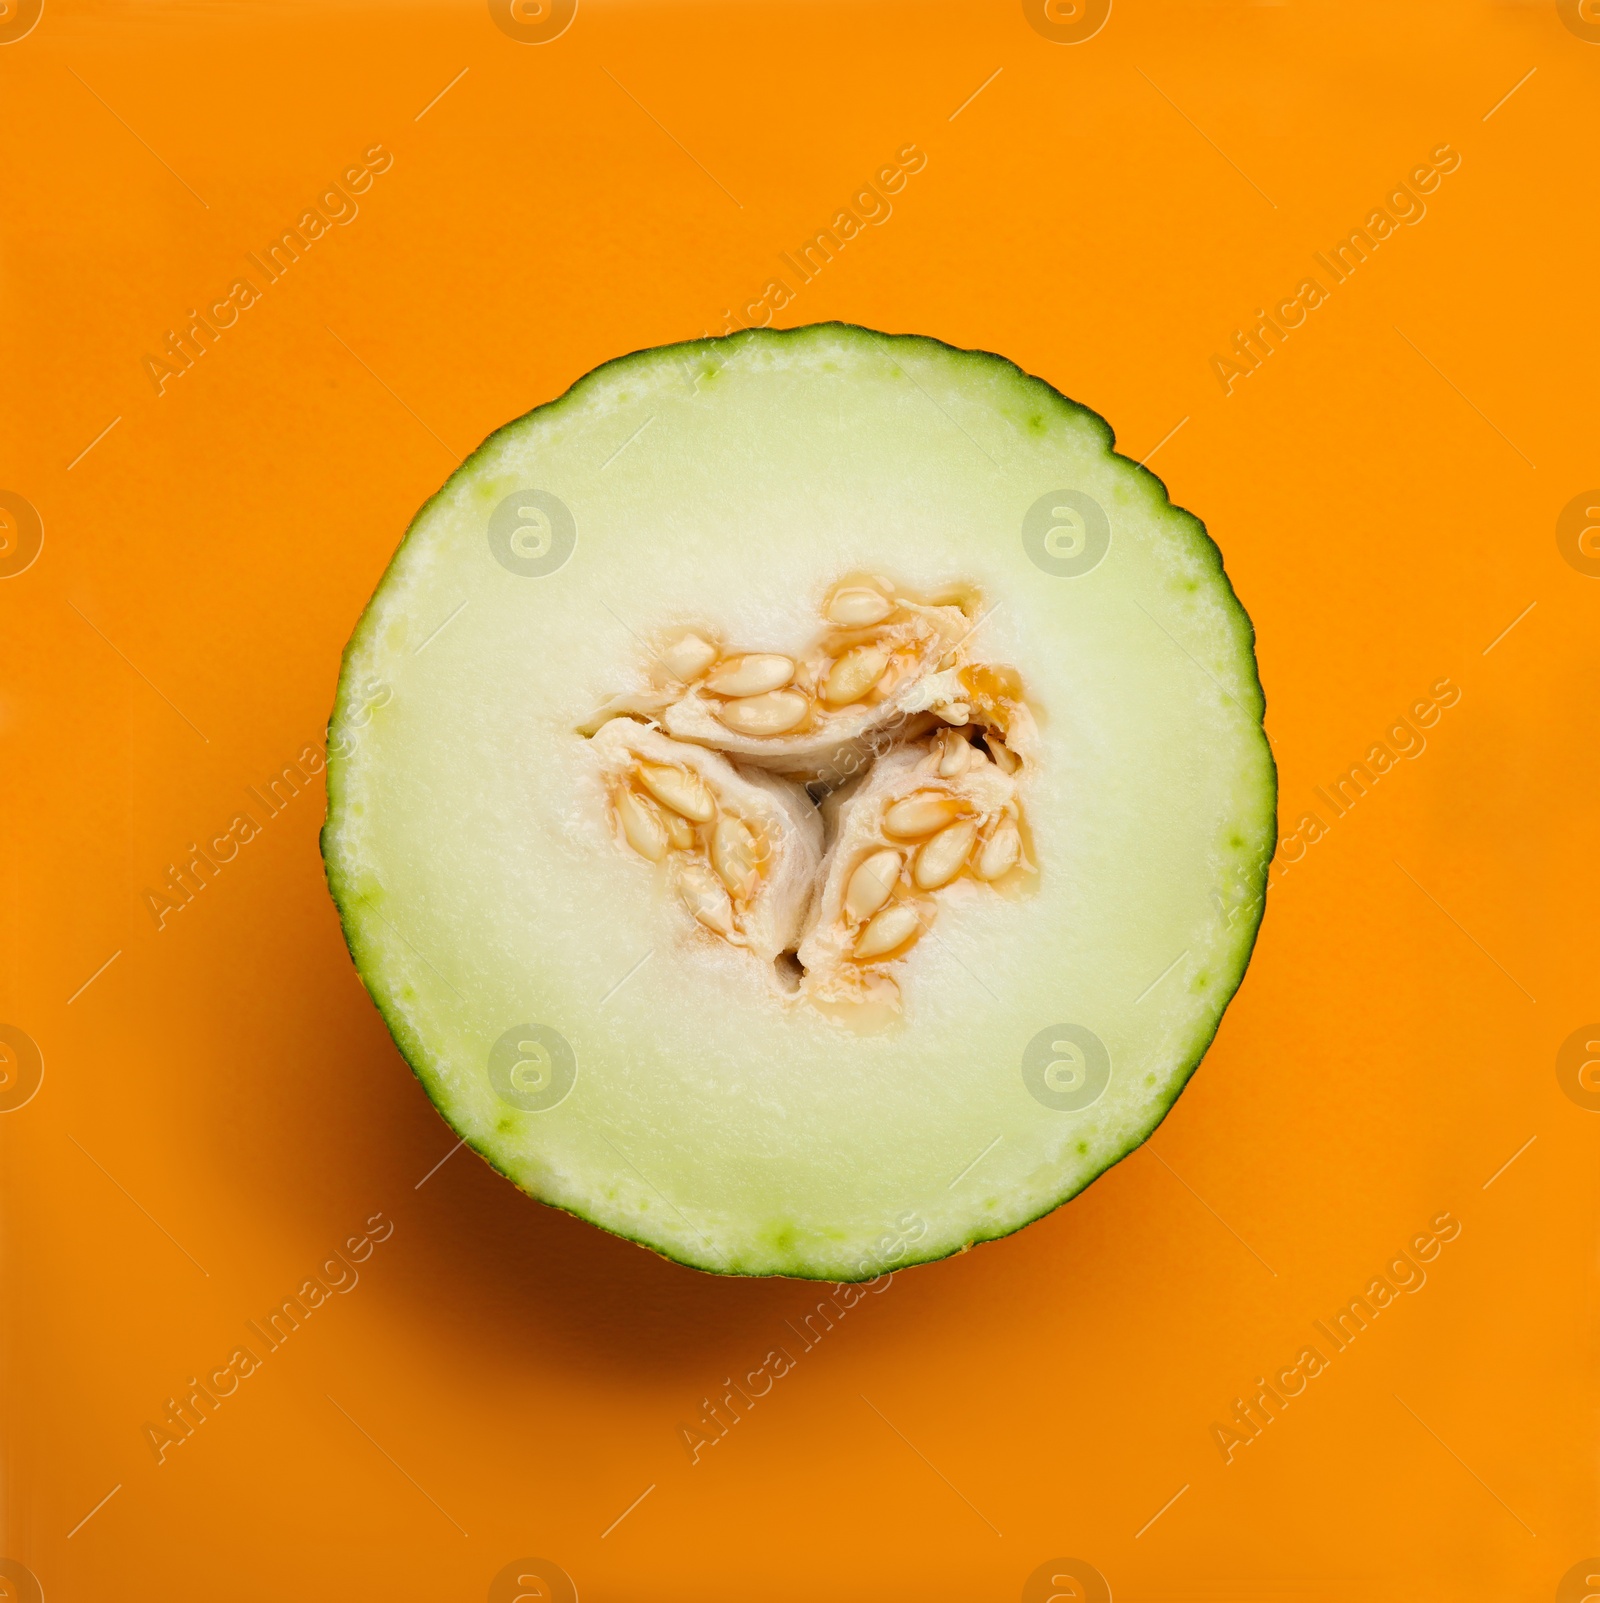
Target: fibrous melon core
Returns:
[[813, 807]]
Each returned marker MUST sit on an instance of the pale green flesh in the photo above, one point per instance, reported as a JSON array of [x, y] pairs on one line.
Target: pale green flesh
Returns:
[[481, 887]]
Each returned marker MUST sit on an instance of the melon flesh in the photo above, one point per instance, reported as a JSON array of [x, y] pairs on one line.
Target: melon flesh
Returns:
[[608, 1053]]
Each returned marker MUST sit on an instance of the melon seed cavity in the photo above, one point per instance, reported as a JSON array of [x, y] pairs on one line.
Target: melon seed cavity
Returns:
[[824, 805]]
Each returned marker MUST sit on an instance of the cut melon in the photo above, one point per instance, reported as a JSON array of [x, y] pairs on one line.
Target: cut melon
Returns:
[[800, 800]]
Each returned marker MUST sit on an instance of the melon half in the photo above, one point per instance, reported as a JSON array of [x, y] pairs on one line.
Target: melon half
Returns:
[[800, 800]]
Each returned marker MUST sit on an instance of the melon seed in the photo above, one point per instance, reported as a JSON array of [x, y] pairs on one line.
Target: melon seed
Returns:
[[920, 814], [642, 826], [940, 860], [733, 855], [1006, 760], [680, 789], [854, 674], [857, 607], [1000, 852], [704, 896], [679, 830], [750, 675], [775, 713], [688, 657], [955, 753], [871, 884], [894, 926]]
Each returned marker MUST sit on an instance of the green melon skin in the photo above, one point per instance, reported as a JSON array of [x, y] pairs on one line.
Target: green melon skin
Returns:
[[729, 483]]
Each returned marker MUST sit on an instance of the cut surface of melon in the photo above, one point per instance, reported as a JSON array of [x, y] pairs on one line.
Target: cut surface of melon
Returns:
[[800, 800]]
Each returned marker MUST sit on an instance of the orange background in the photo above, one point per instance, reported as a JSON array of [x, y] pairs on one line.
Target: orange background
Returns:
[[221, 1106]]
